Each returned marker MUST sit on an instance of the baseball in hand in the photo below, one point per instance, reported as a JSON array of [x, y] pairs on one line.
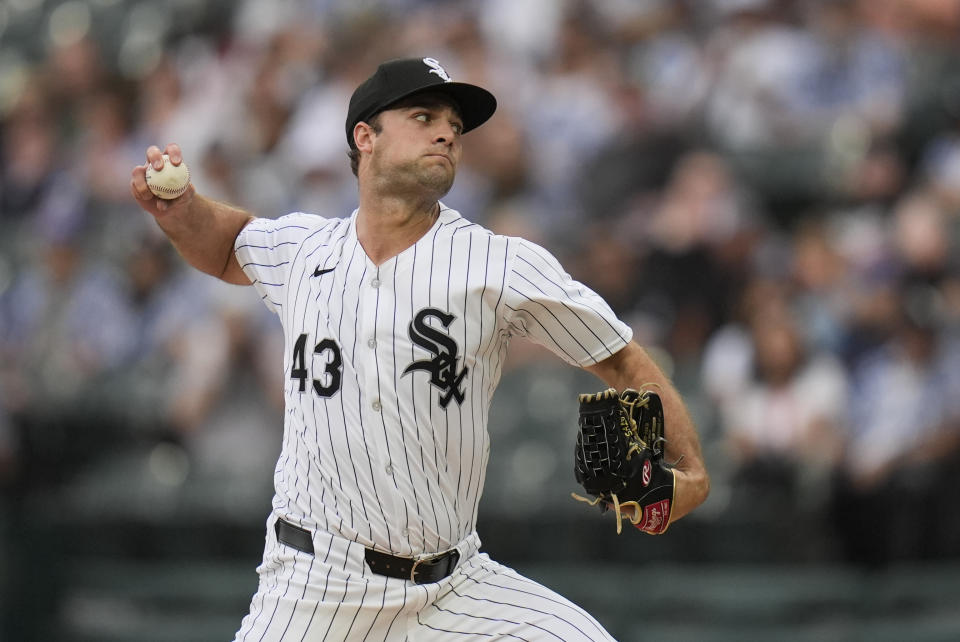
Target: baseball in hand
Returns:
[[169, 182]]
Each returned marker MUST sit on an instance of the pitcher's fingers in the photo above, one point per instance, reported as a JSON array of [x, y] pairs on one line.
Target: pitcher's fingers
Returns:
[[173, 151], [145, 196], [138, 183], [155, 157]]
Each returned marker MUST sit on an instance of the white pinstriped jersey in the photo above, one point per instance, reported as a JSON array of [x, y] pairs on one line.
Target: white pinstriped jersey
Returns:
[[390, 369]]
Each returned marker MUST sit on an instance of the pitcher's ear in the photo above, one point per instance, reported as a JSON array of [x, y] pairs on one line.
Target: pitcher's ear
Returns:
[[363, 134]]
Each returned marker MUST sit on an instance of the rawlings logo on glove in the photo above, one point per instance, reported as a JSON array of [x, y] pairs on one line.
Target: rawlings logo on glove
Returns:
[[619, 457]]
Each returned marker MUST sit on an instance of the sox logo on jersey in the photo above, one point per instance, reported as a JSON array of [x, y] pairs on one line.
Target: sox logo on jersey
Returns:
[[443, 366]]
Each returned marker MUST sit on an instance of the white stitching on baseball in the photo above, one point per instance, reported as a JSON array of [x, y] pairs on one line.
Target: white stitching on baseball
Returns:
[[169, 190]]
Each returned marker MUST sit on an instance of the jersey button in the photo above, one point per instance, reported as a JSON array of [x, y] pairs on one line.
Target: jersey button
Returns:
[[376, 405], [406, 533], [389, 469], [375, 283], [372, 343]]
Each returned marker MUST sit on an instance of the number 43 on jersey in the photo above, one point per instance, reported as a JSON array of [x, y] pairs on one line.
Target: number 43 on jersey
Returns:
[[329, 351]]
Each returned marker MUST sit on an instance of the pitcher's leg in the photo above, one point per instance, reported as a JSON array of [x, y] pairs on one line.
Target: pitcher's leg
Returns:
[[487, 599]]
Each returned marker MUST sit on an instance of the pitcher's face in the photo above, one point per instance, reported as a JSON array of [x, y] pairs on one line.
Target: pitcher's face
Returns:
[[418, 145]]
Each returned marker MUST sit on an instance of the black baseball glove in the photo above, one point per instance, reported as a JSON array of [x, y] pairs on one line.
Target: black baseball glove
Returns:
[[619, 457]]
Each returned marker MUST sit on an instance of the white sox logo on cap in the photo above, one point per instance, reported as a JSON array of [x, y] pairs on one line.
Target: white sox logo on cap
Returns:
[[436, 68]]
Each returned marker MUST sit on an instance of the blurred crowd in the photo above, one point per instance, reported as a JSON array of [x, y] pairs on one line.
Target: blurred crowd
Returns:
[[768, 191]]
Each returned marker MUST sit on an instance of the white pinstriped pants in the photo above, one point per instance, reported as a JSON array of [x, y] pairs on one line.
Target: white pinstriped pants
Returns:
[[333, 596]]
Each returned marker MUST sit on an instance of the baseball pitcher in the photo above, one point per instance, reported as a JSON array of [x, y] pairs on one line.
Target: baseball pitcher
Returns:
[[396, 321]]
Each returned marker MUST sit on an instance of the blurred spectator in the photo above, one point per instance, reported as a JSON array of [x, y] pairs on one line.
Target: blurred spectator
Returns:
[[782, 404], [102, 148], [159, 303], [789, 418], [567, 111], [901, 450], [28, 155], [921, 239], [58, 332], [854, 71], [226, 403], [779, 84], [823, 287], [689, 279], [667, 61], [758, 63]]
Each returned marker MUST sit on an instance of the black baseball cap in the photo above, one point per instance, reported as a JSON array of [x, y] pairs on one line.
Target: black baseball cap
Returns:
[[395, 80]]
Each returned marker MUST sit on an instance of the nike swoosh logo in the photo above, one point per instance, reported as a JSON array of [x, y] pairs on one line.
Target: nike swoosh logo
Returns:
[[318, 271]]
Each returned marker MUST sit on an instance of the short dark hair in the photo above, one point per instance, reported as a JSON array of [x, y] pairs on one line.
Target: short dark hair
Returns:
[[354, 154]]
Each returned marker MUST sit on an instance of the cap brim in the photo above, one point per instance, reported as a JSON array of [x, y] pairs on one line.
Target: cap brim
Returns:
[[476, 104]]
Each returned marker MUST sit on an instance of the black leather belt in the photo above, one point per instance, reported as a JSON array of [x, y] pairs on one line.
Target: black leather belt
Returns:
[[294, 536], [419, 571]]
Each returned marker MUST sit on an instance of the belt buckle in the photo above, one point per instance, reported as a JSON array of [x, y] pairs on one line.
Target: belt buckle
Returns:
[[424, 560], [413, 570]]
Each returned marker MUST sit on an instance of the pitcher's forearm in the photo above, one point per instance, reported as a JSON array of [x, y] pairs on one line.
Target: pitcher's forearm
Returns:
[[204, 232], [691, 489]]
